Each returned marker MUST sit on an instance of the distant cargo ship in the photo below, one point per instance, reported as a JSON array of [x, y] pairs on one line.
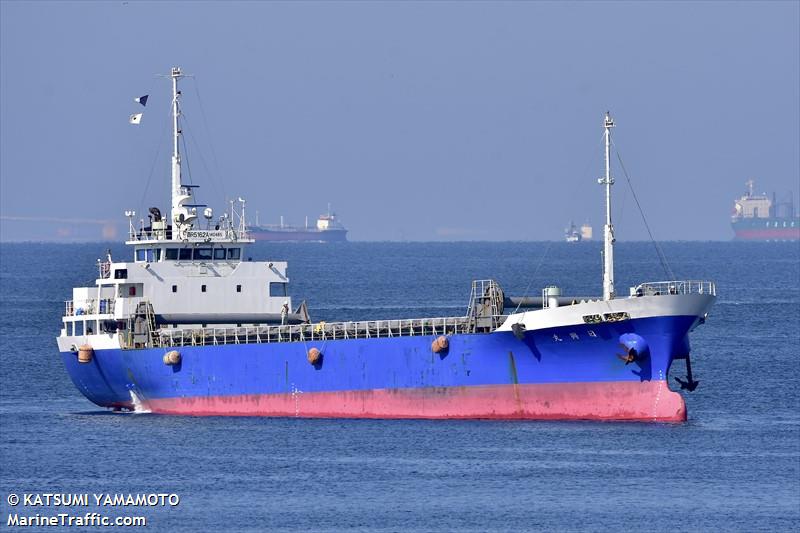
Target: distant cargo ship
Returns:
[[328, 229], [757, 218], [574, 234]]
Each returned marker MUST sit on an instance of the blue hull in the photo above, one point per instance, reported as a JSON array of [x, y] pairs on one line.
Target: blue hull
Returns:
[[583, 354]]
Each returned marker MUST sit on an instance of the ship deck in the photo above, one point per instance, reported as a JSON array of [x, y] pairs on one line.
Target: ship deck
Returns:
[[321, 331]]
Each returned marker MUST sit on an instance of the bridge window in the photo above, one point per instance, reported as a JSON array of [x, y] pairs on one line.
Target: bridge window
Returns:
[[185, 254], [234, 253], [277, 289], [171, 254], [121, 273], [219, 254], [146, 254], [202, 254]]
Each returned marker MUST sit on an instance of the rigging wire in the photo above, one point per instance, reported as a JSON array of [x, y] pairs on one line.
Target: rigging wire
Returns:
[[185, 157], [661, 257], [578, 184], [202, 159], [217, 173], [533, 275], [155, 160], [621, 210]]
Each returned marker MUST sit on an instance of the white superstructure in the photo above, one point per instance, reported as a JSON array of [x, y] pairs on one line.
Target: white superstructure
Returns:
[[179, 275]]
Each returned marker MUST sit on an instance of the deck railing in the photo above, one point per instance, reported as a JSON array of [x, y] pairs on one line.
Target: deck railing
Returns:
[[105, 269], [104, 306], [147, 234], [322, 331], [656, 288]]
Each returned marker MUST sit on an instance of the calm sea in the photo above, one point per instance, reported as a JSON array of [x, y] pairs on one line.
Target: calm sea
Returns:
[[735, 465]]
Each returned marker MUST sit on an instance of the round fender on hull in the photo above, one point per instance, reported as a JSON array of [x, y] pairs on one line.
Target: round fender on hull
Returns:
[[85, 353], [440, 344], [314, 356], [172, 358]]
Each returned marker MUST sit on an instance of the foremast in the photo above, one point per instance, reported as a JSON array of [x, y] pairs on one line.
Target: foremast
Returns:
[[181, 216], [608, 230]]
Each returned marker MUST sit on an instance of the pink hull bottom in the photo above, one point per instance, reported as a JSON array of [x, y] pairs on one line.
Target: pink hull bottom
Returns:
[[643, 401], [775, 234]]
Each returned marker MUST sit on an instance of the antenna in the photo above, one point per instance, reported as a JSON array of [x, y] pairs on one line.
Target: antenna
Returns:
[[242, 221], [131, 230]]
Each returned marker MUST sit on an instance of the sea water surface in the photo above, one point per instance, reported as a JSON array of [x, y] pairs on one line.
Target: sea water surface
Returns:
[[734, 466]]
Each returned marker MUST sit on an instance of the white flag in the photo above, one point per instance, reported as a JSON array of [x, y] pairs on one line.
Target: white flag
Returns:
[[135, 119]]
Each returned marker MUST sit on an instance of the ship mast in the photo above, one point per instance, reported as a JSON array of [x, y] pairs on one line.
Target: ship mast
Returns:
[[608, 231], [176, 156], [182, 217]]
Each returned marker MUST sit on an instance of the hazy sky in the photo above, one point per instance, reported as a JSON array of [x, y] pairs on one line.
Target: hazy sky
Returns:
[[417, 121]]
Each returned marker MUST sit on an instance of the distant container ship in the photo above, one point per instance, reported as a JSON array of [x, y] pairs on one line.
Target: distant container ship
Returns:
[[328, 229], [757, 218]]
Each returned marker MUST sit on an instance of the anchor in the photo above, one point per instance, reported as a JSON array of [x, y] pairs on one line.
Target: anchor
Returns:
[[629, 356], [690, 384], [518, 330]]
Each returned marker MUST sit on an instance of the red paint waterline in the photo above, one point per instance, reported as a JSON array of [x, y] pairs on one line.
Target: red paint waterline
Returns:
[[622, 400], [777, 234]]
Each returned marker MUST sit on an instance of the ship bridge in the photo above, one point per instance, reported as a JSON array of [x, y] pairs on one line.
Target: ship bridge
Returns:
[[181, 275]]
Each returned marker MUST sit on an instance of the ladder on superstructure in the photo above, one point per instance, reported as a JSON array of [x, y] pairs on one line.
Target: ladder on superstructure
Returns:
[[486, 303]]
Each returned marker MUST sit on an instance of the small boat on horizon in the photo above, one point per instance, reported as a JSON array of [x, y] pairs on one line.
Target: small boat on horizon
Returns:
[[574, 234]]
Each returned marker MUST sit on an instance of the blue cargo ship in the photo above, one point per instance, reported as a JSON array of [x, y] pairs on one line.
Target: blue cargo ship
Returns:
[[186, 326]]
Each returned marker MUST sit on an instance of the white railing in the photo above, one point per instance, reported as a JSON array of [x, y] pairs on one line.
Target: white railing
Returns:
[[105, 269], [657, 288], [322, 331], [145, 235], [104, 306]]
